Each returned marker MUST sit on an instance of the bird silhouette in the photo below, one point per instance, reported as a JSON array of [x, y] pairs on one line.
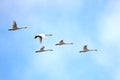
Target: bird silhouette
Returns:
[[14, 27], [85, 49], [61, 42], [41, 36], [42, 49]]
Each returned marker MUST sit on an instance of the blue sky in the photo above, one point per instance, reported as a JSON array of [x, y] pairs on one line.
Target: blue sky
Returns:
[[92, 22]]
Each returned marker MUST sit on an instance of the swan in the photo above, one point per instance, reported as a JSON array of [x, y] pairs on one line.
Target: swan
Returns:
[[61, 42], [42, 49], [85, 49], [14, 27], [41, 36]]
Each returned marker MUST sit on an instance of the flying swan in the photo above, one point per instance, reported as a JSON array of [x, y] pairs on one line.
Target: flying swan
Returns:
[[41, 36], [42, 49], [61, 42], [85, 49], [15, 27]]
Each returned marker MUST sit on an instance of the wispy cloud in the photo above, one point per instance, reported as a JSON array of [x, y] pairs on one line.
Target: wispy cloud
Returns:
[[110, 24], [109, 36], [60, 17]]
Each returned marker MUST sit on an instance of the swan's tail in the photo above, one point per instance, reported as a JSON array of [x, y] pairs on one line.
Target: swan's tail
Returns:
[[37, 51], [93, 50], [10, 29], [24, 27], [82, 51]]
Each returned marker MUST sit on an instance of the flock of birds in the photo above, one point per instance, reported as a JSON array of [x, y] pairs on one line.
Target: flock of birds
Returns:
[[41, 36]]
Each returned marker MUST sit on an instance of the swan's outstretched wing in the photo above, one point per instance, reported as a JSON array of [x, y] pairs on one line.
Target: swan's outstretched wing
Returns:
[[85, 47], [14, 26], [61, 41], [42, 35], [40, 38], [42, 48]]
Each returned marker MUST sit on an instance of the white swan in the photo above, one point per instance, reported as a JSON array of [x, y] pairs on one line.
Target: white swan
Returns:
[[61, 42], [42, 49], [41, 36], [85, 49], [14, 27]]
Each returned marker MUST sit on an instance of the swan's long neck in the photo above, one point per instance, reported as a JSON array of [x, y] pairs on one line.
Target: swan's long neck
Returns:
[[22, 28], [93, 50], [48, 50], [69, 43], [48, 34]]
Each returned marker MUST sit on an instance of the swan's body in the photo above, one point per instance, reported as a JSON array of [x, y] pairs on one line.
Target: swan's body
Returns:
[[85, 49], [41, 36], [43, 50], [14, 27], [61, 42]]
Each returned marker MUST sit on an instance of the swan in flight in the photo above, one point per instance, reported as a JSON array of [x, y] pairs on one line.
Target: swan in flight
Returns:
[[61, 42], [14, 27], [42, 49], [41, 36], [85, 49]]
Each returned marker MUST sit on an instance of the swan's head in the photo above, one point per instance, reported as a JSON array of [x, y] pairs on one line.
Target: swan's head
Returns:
[[48, 34], [25, 27], [96, 50]]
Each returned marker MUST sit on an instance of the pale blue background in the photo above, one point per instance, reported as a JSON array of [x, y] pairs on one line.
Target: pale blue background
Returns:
[[92, 22]]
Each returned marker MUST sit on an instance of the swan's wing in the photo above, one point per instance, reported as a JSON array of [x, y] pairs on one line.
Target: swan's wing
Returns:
[[14, 26], [42, 48], [40, 38], [61, 41], [36, 36], [43, 35], [85, 47]]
